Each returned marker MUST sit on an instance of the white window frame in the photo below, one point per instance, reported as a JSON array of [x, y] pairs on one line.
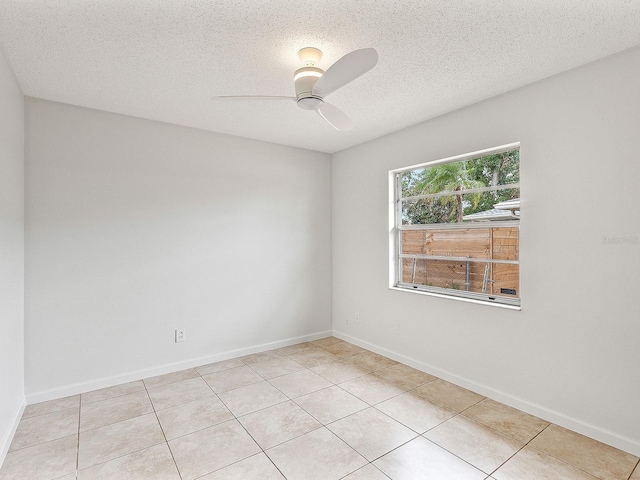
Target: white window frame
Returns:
[[396, 228]]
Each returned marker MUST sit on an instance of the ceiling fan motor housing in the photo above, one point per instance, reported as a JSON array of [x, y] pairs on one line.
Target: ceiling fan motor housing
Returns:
[[305, 78]]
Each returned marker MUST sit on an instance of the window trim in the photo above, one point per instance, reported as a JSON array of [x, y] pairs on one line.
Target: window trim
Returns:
[[396, 228]]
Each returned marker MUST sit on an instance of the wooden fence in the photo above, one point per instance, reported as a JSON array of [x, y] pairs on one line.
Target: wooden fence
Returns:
[[497, 243]]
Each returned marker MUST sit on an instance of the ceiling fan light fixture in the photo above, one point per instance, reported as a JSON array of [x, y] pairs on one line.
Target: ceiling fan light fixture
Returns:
[[310, 56], [307, 72]]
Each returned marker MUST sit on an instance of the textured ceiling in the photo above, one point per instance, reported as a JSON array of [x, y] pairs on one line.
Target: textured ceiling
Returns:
[[165, 59]]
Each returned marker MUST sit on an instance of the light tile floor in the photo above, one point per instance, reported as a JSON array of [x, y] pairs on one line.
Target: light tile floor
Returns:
[[318, 410]]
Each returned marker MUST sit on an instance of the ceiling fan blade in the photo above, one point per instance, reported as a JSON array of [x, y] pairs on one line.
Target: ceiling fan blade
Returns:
[[252, 97], [335, 117], [345, 70]]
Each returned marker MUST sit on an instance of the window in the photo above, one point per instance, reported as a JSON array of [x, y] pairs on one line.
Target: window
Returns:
[[455, 226]]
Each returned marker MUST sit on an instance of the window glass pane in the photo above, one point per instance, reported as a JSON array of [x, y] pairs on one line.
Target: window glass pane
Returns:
[[478, 277], [429, 210], [492, 205], [492, 243], [505, 243], [443, 273], [505, 280], [488, 171], [411, 183], [499, 169], [467, 242]]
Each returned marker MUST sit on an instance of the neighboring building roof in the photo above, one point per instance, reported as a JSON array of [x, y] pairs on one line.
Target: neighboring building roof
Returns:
[[507, 210], [493, 214], [513, 204]]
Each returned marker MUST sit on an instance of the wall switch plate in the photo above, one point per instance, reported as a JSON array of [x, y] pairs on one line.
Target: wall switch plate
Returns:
[[181, 335]]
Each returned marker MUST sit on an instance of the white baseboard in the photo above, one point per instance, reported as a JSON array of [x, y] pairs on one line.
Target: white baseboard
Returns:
[[83, 387], [11, 431], [563, 420]]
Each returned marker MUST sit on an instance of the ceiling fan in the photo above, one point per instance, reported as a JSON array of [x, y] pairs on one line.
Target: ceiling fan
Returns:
[[313, 84]]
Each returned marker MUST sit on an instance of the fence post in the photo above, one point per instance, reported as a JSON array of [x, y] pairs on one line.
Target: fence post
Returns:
[[467, 276]]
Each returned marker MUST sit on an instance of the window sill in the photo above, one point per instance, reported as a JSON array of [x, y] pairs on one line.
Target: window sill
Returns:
[[460, 299]]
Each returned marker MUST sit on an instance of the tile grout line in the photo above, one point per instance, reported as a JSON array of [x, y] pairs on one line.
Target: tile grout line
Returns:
[[509, 458], [502, 433], [421, 435], [292, 400], [123, 454], [457, 456], [637, 467], [262, 450], [45, 413], [114, 396], [325, 426], [553, 456], [524, 444], [405, 425], [400, 446], [349, 446], [245, 429], [42, 443], [162, 430], [78, 443]]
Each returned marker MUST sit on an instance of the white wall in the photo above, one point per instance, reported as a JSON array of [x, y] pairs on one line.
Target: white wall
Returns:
[[11, 254], [135, 228], [572, 353]]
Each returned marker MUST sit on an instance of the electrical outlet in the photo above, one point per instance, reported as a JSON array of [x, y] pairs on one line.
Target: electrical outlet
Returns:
[[357, 317], [346, 319], [396, 329], [181, 335]]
